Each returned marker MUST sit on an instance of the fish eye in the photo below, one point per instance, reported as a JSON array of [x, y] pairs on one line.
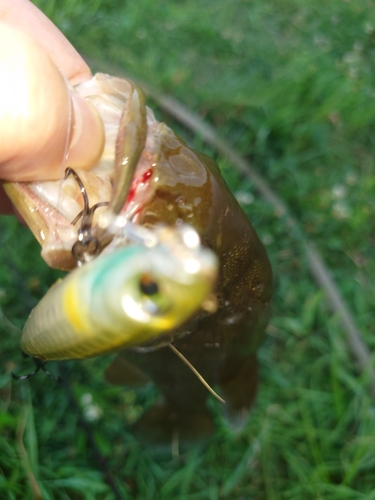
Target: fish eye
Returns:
[[148, 286]]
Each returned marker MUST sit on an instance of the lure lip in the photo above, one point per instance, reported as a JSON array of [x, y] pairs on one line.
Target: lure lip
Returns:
[[188, 256]]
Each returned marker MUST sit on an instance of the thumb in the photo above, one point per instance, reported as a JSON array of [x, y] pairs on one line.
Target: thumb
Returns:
[[44, 124]]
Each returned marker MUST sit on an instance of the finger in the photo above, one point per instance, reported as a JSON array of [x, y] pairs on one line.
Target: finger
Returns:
[[40, 118], [23, 15]]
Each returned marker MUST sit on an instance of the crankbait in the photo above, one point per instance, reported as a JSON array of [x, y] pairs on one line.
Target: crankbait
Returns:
[[123, 298]]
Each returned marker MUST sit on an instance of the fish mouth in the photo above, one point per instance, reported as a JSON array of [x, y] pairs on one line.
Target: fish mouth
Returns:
[[122, 178], [50, 207]]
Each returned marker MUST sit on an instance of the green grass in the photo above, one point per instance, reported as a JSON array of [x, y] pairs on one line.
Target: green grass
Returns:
[[291, 85]]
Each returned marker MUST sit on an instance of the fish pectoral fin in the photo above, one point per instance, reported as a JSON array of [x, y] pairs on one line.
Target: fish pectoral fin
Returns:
[[164, 425], [122, 372], [239, 389]]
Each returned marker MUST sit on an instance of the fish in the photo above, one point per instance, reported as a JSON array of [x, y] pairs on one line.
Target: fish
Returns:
[[174, 185]]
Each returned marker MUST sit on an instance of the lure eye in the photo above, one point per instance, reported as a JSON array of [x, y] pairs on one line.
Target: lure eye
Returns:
[[148, 286], [154, 301]]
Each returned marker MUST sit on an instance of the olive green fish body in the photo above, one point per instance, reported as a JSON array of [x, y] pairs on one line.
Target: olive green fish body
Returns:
[[221, 345]]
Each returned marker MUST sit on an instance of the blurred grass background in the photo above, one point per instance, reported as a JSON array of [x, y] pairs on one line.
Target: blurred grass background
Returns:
[[291, 85]]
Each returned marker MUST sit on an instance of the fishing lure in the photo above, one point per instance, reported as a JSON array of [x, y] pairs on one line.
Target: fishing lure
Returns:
[[123, 298]]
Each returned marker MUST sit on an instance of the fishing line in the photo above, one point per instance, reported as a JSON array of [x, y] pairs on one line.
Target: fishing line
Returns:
[[196, 372]]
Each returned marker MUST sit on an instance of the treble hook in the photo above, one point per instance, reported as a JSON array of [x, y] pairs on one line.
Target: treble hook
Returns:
[[40, 365], [86, 244]]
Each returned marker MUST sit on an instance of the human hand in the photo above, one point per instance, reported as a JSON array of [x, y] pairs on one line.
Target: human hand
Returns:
[[43, 123]]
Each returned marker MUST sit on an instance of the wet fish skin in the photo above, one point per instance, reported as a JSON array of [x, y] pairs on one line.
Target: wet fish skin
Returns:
[[222, 345]]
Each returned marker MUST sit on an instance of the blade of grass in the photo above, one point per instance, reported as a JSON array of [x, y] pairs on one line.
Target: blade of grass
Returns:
[[28, 459]]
